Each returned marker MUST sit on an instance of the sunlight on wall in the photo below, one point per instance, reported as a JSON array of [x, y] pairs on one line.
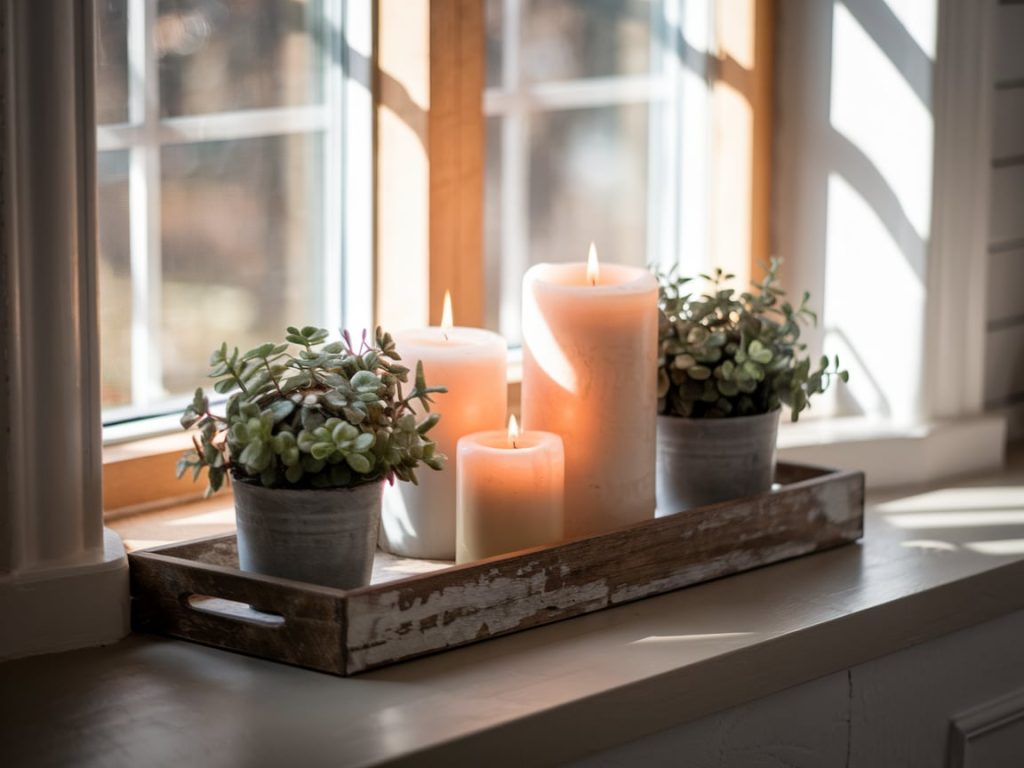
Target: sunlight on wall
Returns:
[[920, 19], [874, 106], [879, 200], [874, 307]]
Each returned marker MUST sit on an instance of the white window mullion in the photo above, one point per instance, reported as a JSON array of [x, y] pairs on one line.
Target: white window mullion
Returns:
[[693, 99], [663, 139], [353, 133], [585, 93], [144, 205], [515, 159], [328, 289], [220, 126]]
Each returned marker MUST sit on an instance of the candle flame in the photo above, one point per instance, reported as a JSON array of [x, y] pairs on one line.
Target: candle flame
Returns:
[[446, 313], [513, 430], [593, 270]]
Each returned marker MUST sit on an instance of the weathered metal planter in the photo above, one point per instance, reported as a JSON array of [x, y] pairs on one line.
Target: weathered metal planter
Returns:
[[704, 461], [320, 536]]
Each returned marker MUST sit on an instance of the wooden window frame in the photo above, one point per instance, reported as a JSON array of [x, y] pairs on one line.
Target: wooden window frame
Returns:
[[427, 68]]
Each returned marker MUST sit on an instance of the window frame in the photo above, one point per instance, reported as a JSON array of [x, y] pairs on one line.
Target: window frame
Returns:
[[429, 73], [889, 453], [343, 117]]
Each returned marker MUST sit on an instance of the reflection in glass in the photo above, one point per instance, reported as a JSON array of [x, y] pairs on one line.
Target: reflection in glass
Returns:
[[568, 161], [112, 61], [115, 289], [492, 224], [588, 182], [570, 39], [493, 29], [225, 55], [239, 224]]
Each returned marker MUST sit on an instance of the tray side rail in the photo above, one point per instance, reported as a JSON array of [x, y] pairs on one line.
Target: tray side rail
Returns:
[[392, 622], [219, 605]]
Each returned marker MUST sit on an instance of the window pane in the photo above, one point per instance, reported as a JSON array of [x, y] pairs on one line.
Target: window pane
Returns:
[[492, 225], [237, 54], [112, 61], [571, 39], [493, 28], [588, 175], [586, 181], [568, 165], [240, 244], [115, 288]]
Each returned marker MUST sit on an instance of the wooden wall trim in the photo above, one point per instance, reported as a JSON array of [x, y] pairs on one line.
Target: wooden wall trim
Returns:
[[742, 130], [456, 141], [763, 103], [430, 160]]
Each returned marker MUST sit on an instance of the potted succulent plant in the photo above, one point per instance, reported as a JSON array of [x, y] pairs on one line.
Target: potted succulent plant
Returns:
[[728, 363], [309, 435]]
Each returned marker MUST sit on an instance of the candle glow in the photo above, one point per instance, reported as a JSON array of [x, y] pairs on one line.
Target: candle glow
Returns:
[[577, 326], [419, 520], [510, 491], [593, 269], [446, 314]]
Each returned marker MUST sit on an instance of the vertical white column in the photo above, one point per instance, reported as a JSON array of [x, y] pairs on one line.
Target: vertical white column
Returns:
[[61, 578]]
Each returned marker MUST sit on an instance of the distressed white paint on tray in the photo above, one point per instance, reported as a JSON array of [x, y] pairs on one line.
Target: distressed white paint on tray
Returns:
[[492, 605], [722, 566], [349, 632]]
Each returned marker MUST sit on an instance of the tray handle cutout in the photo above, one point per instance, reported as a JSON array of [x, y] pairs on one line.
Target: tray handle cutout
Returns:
[[233, 610]]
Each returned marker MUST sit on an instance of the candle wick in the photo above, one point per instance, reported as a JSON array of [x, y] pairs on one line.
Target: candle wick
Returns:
[[445, 335], [514, 443]]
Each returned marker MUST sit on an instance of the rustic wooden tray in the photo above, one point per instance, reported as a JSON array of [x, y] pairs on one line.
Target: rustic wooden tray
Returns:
[[196, 591]]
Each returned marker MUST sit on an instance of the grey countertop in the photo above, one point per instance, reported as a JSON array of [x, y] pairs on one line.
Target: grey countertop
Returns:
[[932, 561]]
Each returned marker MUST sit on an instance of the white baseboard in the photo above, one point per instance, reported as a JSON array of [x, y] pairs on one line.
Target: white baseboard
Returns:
[[892, 456], [68, 607]]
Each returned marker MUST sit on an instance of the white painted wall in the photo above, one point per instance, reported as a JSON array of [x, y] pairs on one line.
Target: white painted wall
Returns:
[[905, 709], [1004, 347]]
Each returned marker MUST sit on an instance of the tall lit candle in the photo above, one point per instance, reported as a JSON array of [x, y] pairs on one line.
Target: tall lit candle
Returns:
[[590, 343], [510, 492], [419, 520]]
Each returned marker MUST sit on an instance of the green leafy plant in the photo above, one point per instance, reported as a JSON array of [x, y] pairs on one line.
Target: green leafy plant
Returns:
[[724, 355], [330, 415]]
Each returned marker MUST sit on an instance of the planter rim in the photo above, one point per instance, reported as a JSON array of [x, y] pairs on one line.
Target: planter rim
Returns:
[[255, 484], [708, 420]]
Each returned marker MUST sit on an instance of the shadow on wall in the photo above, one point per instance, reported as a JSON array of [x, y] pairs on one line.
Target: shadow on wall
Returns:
[[854, 185]]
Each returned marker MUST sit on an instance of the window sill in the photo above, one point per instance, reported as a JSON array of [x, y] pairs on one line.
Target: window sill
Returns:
[[138, 474], [926, 568]]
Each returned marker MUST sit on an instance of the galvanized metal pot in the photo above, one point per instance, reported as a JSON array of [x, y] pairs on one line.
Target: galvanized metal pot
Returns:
[[703, 461], [321, 536]]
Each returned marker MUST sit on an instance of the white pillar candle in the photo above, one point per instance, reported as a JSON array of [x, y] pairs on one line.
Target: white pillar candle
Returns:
[[509, 492], [419, 520], [590, 345]]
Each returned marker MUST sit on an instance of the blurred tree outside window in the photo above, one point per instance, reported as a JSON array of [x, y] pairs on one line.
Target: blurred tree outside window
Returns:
[[219, 132], [597, 130]]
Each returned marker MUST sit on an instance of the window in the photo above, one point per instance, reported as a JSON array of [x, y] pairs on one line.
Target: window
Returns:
[[233, 143], [597, 125]]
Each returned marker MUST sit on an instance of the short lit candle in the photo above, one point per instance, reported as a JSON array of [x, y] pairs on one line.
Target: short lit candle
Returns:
[[510, 492], [419, 520], [590, 346]]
